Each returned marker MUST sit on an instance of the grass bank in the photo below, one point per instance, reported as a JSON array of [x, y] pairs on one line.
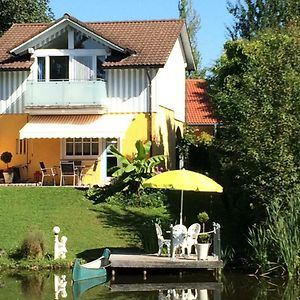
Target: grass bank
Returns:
[[88, 227]]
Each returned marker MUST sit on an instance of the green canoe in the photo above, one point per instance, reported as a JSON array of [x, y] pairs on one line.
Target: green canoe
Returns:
[[95, 268]]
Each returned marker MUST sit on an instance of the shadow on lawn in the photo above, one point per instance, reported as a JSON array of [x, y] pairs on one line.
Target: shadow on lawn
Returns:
[[135, 226]]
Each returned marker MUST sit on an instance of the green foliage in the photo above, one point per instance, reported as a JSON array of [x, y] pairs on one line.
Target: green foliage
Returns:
[[204, 238], [256, 92], [203, 217], [133, 171], [190, 138], [23, 11], [33, 245], [253, 16], [147, 198]]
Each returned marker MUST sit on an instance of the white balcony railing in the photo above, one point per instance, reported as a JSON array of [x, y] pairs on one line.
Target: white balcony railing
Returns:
[[65, 93]]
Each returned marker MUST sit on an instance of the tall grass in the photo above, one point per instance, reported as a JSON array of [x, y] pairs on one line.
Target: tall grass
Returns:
[[278, 239]]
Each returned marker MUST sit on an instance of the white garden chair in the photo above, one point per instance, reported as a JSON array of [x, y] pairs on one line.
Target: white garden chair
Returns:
[[161, 240], [179, 235], [191, 239]]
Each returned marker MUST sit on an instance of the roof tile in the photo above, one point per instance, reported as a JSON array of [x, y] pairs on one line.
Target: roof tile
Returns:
[[198, 107], [151, 41]]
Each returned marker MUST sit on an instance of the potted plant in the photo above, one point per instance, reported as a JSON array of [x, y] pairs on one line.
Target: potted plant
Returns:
[[203, 237], [8, 174]]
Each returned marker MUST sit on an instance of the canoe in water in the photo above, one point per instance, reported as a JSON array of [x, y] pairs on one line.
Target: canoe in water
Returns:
[[95, 268]]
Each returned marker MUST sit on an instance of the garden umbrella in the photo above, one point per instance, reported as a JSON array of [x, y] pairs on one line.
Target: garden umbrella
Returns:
[[183, 180]]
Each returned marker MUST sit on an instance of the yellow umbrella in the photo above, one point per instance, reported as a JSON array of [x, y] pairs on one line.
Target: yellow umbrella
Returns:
[[183, 180]]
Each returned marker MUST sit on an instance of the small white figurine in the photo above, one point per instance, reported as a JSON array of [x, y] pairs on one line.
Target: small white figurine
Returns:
[[60, 248]]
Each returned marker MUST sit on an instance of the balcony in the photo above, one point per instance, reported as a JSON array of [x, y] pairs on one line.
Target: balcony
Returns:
[[65, 97]]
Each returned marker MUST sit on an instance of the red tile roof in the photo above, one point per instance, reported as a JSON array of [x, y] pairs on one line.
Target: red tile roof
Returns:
[[149, 42], [198, 108]]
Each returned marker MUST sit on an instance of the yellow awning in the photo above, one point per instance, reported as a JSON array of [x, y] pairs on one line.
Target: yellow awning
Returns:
[[76, 126]]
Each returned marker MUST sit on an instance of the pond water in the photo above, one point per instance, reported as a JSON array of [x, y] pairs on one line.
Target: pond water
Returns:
[[197, 286]]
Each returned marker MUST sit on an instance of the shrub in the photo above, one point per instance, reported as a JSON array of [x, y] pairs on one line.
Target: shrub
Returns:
[[33, 245], [148, 198]]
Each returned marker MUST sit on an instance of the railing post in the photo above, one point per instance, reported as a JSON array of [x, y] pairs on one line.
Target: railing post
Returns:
[[217, 240]]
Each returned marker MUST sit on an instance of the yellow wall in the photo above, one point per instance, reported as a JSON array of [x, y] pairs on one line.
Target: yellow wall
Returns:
[[48, 150], [136, 131], [164, 134], [9, 133]]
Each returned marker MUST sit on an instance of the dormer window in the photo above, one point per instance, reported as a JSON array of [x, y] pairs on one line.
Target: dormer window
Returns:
[[72, 67], [59, 68], [41, 74], [100, 71]]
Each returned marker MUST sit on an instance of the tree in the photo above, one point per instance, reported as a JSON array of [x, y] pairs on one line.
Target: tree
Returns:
[[192, 19], [256, 94], [17, 11], [255, 15]]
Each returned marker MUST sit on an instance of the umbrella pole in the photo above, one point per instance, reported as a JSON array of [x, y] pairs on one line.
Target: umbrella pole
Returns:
[[181, 207]]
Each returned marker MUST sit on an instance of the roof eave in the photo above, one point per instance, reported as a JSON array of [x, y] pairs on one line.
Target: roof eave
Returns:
[[187, 49], [23, 48]]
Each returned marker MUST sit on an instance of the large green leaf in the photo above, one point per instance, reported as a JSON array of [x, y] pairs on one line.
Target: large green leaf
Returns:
[[120, 157]]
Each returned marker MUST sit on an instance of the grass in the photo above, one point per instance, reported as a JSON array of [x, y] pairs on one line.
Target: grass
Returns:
[[88, 227]]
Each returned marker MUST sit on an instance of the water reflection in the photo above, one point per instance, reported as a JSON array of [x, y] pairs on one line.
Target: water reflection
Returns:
[[35, 285], [186, 294], [32, 285], [60, 284]]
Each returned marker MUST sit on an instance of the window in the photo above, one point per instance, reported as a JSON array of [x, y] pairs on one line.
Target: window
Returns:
[[100, 71], [82, 147], [111, 160], [21, 146], [59, 68], [83, 67], [41, 69]]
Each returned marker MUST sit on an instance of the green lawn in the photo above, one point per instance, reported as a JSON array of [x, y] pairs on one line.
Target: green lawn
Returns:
[[87, 226]]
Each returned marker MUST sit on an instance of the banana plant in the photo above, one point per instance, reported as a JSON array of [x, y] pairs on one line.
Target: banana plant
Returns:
[[133, 171]]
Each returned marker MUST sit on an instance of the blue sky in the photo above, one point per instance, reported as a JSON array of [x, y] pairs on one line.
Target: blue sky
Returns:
[[213, 13]]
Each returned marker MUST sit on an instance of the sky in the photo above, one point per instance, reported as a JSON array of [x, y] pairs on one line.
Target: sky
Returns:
[[213, 14]]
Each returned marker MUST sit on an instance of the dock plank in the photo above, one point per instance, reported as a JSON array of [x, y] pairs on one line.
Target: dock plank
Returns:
[[152, 261]]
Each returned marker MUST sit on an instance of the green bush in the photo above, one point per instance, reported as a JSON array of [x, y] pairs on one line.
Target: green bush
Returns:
[[147, 198], [33, 246]]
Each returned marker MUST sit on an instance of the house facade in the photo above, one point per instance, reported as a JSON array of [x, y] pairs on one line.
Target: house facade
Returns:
[[69, 90]]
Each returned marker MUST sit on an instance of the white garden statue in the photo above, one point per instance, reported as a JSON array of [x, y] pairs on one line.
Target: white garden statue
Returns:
[[60, 248]]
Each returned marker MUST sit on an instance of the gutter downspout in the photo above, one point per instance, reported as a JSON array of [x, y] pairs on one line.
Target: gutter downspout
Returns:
[[149, 106]]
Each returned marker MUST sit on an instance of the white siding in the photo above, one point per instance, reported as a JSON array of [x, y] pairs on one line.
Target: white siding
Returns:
[[169, 84], [12, 88], [127, 90]]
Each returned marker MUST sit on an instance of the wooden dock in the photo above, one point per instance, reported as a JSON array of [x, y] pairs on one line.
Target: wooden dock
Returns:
[[148, 262]]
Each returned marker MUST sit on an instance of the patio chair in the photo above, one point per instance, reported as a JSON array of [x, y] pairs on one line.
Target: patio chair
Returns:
[[68, 170], [47, 172], [179, 235], [191, 239], [161, 240]]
